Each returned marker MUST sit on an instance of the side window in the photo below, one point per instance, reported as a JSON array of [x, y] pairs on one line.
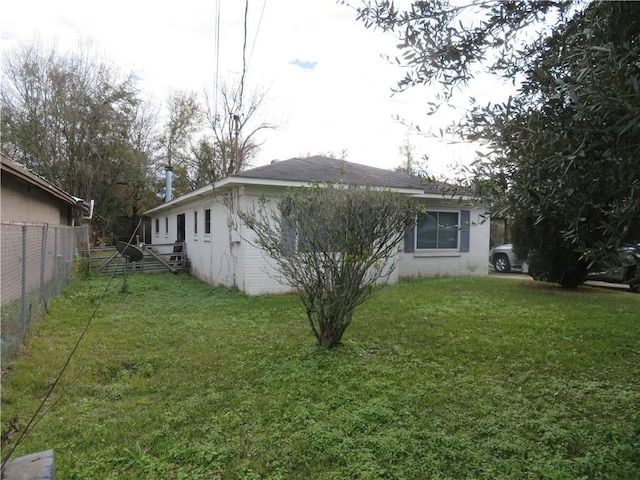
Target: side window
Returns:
[[166, 226], [195, 223], [207, 221], [307, 238], [157, 226], [288, 236]]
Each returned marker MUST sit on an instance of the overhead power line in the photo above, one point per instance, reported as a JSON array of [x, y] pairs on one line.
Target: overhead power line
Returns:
[[244, 54], [255, 38], [217, 61]]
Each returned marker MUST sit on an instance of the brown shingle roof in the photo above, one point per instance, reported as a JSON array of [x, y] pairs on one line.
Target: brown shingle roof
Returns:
[[9, 166]]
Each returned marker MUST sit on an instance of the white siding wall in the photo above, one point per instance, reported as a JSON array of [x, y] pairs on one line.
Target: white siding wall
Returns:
[[223, 269], [211, 257], [395, 274], [259, 273], [164, 236], [199, 245], [225, 257]]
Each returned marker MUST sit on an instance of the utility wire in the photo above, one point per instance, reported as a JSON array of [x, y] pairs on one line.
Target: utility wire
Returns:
[[217, 55], [255, 38], [244, 54]]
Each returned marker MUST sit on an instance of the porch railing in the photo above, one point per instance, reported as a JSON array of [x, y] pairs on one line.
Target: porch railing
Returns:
[[156, 258]]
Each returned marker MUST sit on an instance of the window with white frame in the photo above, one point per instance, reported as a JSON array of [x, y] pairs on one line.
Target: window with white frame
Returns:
[[157, 227], [195, 222]]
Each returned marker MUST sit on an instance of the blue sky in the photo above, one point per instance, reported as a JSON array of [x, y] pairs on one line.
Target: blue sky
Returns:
[[304, 64], [327, 84]]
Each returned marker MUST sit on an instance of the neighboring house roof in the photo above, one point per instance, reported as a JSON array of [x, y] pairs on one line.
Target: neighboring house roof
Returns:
[[27, 175]]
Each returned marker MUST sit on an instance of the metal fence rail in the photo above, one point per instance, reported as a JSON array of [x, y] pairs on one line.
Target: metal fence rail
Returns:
[[157, 258], [36, 262]]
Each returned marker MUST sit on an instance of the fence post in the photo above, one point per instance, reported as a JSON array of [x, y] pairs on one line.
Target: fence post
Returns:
[[56, 264], [43, 265], [24, 278]]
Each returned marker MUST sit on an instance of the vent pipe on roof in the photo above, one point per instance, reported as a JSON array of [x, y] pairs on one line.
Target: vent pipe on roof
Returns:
[[168, 196]]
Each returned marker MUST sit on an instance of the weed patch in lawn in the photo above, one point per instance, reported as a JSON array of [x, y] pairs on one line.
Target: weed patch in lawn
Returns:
[[438, 378]]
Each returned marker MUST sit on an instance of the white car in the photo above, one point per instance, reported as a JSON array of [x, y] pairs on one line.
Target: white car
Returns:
[[504, 259]]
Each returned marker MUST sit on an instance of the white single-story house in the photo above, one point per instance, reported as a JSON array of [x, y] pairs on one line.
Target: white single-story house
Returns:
[[215, 239]]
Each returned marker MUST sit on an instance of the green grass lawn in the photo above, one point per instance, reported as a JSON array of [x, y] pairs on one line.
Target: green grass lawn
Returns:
[[439, 378]]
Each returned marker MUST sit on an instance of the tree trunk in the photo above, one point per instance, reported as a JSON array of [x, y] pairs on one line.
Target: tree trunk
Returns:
[[330, 333], [329, 339]]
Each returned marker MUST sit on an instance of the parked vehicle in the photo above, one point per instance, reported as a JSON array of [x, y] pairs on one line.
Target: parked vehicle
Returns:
[[628, 272], [503, 258]]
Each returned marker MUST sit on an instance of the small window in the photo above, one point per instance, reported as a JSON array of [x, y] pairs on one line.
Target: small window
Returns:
[[437, 230], [207, 221], [195, 223], [157, 226], [317, 238], [166, 226]]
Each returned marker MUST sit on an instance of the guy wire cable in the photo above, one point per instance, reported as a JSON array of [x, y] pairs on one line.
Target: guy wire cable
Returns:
[[27, 428], [32, 421], [80, 370]]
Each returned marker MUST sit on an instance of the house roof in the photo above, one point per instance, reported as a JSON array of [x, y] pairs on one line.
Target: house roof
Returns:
[[324, 169], [29, 176], [297, 172]]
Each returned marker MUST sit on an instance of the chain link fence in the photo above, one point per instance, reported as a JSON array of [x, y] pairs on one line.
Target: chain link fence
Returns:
[[36, 263]]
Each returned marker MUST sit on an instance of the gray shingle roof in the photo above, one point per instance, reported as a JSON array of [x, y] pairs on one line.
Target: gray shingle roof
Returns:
[[324, 169]]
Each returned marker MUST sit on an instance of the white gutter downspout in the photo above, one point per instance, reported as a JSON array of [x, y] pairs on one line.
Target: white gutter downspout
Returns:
[[91, 205]]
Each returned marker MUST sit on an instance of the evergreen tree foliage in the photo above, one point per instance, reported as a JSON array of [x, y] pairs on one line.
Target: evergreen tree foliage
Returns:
[[562, 153]]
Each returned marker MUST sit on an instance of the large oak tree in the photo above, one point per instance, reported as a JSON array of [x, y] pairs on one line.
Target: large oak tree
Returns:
[[74, 119], [562, 153]]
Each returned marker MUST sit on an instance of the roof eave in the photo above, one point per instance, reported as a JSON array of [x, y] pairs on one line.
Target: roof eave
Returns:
[[457, 198], [26, 175], [237, 181], [201, 192], [268, 182]]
